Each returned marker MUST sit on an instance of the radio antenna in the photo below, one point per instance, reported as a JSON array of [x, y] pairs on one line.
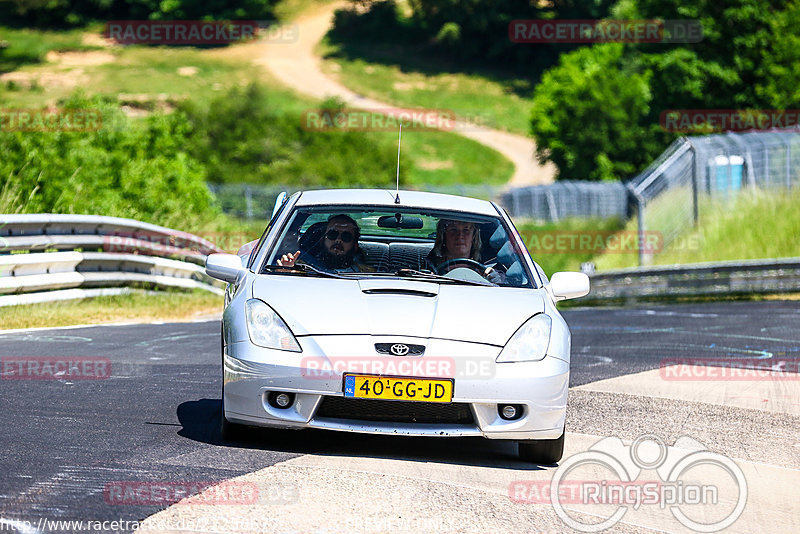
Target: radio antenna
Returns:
[[397, 194]]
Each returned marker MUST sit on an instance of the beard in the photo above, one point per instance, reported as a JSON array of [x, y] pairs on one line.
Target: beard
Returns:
[[338, 261]]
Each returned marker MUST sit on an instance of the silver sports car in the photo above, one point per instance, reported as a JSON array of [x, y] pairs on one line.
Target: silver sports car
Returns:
[[395, 313]]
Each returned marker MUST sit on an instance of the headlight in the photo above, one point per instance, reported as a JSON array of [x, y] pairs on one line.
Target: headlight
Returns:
[[268, 330], [529, 343]]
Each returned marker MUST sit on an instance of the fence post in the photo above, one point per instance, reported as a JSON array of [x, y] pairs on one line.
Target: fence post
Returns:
[[695, 214], [788, 163], [248, 203]]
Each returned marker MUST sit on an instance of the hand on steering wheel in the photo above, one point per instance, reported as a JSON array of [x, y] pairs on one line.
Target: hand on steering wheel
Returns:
[[487, 272]]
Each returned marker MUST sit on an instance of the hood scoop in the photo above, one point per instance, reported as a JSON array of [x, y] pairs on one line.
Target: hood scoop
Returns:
[[411, 288]]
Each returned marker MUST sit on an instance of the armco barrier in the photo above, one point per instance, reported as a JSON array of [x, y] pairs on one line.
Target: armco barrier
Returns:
[[112, 252], [702, 279]]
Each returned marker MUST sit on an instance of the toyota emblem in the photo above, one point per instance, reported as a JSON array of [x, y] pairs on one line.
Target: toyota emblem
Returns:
[[399, 349]]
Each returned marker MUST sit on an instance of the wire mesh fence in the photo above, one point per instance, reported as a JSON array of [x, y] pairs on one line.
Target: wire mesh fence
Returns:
[[567, 199], [666, 198], [255, 201], [670, 193]]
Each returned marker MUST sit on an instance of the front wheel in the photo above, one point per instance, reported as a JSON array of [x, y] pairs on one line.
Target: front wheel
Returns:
[[229, 431], [542, 451]]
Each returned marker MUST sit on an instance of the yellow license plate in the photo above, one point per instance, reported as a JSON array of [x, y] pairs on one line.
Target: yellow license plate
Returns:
[[391, 388]]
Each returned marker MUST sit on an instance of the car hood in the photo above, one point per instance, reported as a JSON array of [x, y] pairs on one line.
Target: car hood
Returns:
[[320, 306]]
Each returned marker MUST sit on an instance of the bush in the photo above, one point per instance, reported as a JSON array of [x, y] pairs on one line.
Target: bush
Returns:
[[127, 168], [240, 139], [588, 115]]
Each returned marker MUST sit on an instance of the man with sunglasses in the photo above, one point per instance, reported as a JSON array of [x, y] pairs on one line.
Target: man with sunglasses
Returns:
[[339, 251]]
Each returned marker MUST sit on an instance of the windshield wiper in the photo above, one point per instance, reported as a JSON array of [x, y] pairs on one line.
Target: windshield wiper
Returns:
[[300, 268], [422, 274]]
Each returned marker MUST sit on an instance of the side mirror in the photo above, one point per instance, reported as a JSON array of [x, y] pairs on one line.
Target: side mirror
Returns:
[[569, 285], [225, 267]]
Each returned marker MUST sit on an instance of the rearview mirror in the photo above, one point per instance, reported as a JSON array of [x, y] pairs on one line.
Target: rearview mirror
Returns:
[[569, 285], [225, 267], [399, 221]]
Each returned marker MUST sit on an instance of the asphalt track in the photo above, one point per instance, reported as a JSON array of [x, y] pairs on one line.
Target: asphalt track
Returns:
[[156, 417]]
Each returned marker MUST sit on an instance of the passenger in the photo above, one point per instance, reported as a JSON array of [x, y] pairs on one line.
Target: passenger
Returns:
[[340, 251], [459, 240]]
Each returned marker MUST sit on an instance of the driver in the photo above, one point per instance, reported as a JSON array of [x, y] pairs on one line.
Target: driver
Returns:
[[458, 240], [340, 251]]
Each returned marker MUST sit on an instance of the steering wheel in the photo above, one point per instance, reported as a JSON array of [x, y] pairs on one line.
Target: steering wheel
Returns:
[[476, 266]]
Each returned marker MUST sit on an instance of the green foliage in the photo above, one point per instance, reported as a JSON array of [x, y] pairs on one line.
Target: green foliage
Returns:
[[22, 46], [469, 31], [66, 13], [727, 231], [587, 115], [240, 139], [555, 259], [127, 168], [596, 114]]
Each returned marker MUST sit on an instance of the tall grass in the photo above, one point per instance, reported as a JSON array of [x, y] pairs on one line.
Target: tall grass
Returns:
[[757, 224]]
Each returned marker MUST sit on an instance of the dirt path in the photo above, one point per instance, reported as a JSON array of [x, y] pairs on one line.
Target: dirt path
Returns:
[[296, 65]]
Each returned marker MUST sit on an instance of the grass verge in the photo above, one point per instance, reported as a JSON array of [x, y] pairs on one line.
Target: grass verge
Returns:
[[134, 307], [401, 77], [558, 246], [147, 79], [757, 224]]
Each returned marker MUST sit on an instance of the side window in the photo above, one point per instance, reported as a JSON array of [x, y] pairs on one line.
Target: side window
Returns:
[[277, 216]]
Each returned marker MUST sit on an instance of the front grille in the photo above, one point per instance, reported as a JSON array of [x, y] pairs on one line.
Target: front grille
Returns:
[[454, 413], [413, 350]]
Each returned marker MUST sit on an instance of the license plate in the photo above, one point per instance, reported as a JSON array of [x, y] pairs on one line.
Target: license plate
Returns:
[[407, 389]]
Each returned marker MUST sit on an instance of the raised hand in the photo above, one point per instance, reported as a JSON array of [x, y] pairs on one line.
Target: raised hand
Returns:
[[287, 260]]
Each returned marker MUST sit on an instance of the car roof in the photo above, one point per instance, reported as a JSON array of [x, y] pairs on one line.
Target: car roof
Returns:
[[386, 197]]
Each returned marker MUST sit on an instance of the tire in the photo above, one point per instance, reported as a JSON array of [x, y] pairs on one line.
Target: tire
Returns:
[[228, 431], [542, 451]]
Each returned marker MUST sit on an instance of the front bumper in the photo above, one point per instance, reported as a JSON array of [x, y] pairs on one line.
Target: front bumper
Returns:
[[251, 373]]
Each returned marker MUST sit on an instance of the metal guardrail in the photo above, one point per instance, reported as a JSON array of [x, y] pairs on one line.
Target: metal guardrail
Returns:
[[697, 280], [121, 253]]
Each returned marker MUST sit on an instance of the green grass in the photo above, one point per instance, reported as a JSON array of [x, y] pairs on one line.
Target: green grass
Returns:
[[756, 225], [556, 246], [287, 10], [134, 307], [389, 74], [153, 78], [23, 46]]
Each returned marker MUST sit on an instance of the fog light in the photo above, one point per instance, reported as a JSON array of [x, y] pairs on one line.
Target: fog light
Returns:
[[510, 411], [281, 400]]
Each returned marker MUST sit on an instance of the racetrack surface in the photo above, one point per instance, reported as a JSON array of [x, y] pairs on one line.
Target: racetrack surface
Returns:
[[156, 419]]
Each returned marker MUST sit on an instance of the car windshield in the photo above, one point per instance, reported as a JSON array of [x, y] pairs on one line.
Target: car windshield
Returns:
[[360, 242]]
